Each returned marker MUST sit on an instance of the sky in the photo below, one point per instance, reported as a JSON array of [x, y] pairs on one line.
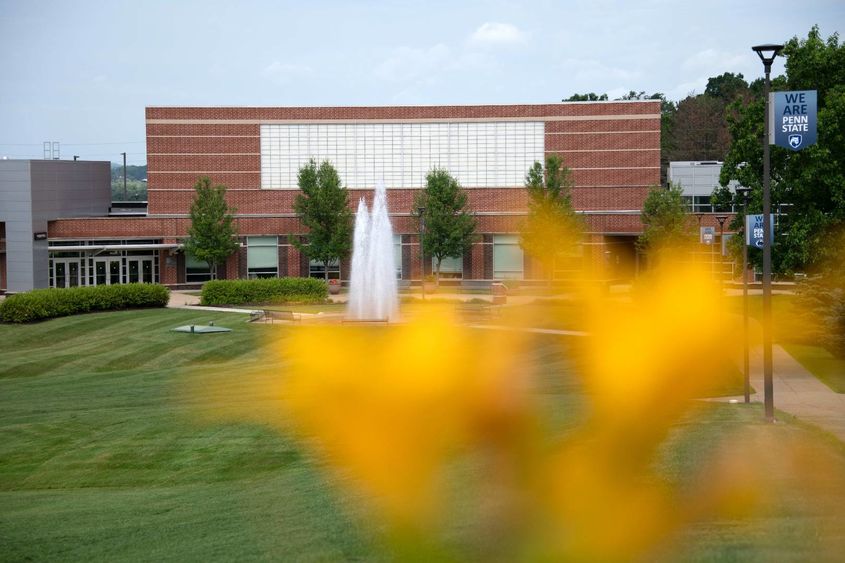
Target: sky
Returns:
[[82, 72]]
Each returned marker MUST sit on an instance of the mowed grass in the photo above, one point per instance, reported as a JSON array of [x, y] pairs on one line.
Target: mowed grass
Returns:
[[102, 459], [821, 363], [110, 451]]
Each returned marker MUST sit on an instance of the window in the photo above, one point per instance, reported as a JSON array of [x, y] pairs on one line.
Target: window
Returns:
[[262, 257], [196, 270], [507, 257], [450, 268], [317, 270], [478, 154]]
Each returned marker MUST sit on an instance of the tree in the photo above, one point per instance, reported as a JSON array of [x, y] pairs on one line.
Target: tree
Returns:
[[807, 185], [552, 227], [698, 130], [591, 97], [726, 87], [665, 220], [323, 207], [449, 226], [722, 198], [211, 237]]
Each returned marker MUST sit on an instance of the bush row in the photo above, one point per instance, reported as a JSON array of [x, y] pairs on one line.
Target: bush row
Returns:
[[269, 290], [49, 303]]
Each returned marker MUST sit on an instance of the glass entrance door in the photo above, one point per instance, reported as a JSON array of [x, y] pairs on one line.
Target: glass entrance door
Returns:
[[73, 274], [66, 273], [140, 270], [107, 271], [59, 274], [114, 272]]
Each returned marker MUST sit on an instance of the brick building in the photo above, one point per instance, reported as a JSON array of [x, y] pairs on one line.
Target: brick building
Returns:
[[613, 149]]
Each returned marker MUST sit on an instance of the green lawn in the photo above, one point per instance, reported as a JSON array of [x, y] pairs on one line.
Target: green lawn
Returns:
[[106, 454], [821, 363]]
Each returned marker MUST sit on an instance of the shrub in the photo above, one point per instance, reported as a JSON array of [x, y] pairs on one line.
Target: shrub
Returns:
[[821, 301], [268, 290], [42, 304]]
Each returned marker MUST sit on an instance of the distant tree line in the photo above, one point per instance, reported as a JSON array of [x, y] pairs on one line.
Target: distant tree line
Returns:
[[136, 185], [725, 123]]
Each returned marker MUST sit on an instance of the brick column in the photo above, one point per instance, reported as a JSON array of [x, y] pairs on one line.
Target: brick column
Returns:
[[293, 261], [167, 268]]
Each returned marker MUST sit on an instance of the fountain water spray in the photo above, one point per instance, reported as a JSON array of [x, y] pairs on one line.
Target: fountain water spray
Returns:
[[373, 292]]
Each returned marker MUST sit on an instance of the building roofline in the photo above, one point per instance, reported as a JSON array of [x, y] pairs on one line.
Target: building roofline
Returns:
[[370, 106]]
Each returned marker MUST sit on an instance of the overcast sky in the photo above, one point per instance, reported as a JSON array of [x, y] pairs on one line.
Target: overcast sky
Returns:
[[81, 72]]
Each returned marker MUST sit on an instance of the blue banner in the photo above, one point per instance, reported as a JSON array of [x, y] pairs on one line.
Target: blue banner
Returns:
[[793, 119], [754, 230]]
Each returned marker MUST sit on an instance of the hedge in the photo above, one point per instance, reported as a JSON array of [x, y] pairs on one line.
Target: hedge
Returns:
[[42, 304], [267, 290]]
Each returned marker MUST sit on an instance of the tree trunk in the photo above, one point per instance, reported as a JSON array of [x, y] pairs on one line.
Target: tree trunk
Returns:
[[437, 274], [326, 271]]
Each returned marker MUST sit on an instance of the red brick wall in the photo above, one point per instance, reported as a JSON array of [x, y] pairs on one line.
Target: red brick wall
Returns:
[[608, 148]]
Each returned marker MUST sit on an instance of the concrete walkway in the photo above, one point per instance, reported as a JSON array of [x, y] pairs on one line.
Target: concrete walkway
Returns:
[[798, 392], [181, 299]]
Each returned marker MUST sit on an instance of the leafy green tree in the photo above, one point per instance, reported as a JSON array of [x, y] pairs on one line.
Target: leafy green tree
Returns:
[[211, 237], [722, 198], [449, 226], [552, 227], [591, 97], [807, 185], [665, 220], [323, 207], [726, 87]]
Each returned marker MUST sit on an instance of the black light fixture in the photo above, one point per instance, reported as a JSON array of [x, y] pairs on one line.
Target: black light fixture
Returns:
[[767, 54], [421, 213]]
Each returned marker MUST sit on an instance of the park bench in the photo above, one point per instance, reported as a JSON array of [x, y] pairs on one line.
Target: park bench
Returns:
[[271, 315]]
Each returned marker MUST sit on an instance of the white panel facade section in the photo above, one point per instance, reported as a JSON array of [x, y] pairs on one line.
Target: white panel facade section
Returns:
[[478, 154]]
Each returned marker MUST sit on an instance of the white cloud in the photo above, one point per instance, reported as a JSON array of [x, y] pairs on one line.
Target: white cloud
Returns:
[[494, 33]]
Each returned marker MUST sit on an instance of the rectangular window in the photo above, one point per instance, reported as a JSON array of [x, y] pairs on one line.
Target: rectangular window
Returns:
[[262, 257], [196, 270], [450, 268], [508, 260], [478, 154], [317, 270]]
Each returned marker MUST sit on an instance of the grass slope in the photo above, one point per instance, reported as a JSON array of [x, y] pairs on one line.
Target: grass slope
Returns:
[[106, 453]]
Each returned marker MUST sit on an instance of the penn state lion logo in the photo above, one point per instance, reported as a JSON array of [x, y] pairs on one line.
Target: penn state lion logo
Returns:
[[795, 141]]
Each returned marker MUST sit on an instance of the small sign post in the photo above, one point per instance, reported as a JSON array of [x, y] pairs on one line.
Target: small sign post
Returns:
[[707, 235]]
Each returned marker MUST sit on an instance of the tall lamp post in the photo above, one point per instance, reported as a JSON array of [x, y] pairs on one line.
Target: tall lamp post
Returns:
[[767, 54], [124, 175], [721, 219], [743, 191], [697, 259], [421, 211]]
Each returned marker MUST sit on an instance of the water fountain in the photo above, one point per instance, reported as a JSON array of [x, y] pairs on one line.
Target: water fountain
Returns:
[[373, 292]]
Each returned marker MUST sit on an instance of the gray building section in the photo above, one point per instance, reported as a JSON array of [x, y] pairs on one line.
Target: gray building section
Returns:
[[34, 192], [698, 179]]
